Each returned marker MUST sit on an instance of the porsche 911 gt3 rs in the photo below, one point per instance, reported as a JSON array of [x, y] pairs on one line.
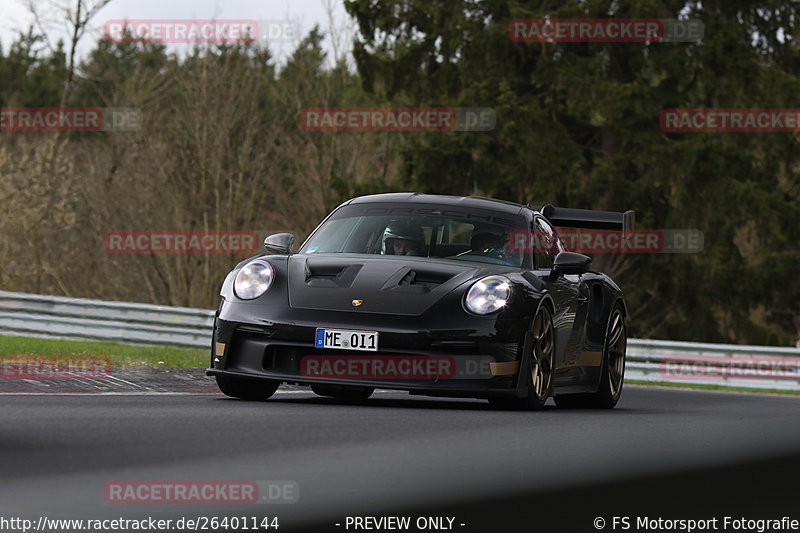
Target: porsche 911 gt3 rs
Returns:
[[434, 295]]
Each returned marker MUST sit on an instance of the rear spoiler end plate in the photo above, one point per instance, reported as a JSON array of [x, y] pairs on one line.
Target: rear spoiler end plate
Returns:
[[566, 217]]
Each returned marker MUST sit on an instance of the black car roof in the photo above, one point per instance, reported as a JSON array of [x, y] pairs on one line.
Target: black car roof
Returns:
[[441, 199]]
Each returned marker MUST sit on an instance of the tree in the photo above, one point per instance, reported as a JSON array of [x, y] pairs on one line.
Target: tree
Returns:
[[577, 125]]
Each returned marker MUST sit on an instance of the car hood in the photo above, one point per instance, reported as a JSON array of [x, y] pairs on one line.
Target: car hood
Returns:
[[373, 284]]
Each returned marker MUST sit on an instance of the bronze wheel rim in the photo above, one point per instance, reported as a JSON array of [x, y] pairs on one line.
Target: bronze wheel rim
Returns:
[[542, 354], [615, 347]]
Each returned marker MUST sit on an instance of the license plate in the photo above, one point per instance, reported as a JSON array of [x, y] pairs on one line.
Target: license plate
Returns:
[[347, 339]]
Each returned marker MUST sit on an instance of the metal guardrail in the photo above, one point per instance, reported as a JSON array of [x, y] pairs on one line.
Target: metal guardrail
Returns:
[[725, 365], [34, 315]]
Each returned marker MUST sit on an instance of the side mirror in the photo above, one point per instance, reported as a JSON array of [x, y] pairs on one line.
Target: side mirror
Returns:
[[279, 243], [571, 263]]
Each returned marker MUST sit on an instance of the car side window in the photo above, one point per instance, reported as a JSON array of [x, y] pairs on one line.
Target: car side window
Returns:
[[545, 243]]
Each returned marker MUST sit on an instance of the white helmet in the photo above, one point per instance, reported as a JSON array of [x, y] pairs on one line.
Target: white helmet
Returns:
[[402, 230]]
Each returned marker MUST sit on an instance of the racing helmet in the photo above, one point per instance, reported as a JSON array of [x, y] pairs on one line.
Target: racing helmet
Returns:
[[402, 230], [490, 242]]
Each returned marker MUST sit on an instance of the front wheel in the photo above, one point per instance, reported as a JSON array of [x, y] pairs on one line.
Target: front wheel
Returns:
[[539, 374], [246, 389], [611, 374]]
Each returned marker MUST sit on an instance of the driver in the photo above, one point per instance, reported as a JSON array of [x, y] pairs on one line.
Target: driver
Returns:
[[489, 243], [403, 238]]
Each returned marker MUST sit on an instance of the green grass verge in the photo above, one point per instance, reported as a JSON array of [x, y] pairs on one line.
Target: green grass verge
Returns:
[[155, 356], [710, 387], [117, 354]]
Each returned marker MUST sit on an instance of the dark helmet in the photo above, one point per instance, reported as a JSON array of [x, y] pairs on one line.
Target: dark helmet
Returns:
[[483, 238], [404, 230], [489, 242]]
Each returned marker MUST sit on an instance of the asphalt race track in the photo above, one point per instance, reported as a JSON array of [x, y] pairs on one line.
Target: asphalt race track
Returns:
[[672, 453]]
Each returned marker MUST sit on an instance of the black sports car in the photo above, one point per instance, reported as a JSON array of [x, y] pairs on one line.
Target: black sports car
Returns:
[[436, 295]]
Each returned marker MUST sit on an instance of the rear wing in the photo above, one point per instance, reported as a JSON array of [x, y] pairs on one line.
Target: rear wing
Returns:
[[566, 217]]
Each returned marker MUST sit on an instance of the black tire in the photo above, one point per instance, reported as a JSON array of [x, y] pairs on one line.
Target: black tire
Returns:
[[612, 373], [538, 375], [246, 389], [342, 392]]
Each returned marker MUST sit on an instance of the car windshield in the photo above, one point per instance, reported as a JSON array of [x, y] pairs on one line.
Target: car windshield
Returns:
[[425, 231]]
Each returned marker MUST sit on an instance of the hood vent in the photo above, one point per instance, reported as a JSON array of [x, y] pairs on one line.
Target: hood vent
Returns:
[[331, 275], [417, 280], [387, 285]]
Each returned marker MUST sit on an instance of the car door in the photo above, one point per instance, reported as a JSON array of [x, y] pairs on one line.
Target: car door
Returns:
[[570, 298]]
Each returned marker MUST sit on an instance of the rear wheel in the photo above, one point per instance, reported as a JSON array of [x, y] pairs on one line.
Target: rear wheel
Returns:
[[611, 374], [539, 374], [246, 389], [343, 392]]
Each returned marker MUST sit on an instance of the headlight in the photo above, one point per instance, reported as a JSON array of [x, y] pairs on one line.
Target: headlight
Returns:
[[253, 280], [488, 295]]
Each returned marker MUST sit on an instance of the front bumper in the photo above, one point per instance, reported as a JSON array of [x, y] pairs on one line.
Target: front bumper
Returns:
[[250, 347]]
